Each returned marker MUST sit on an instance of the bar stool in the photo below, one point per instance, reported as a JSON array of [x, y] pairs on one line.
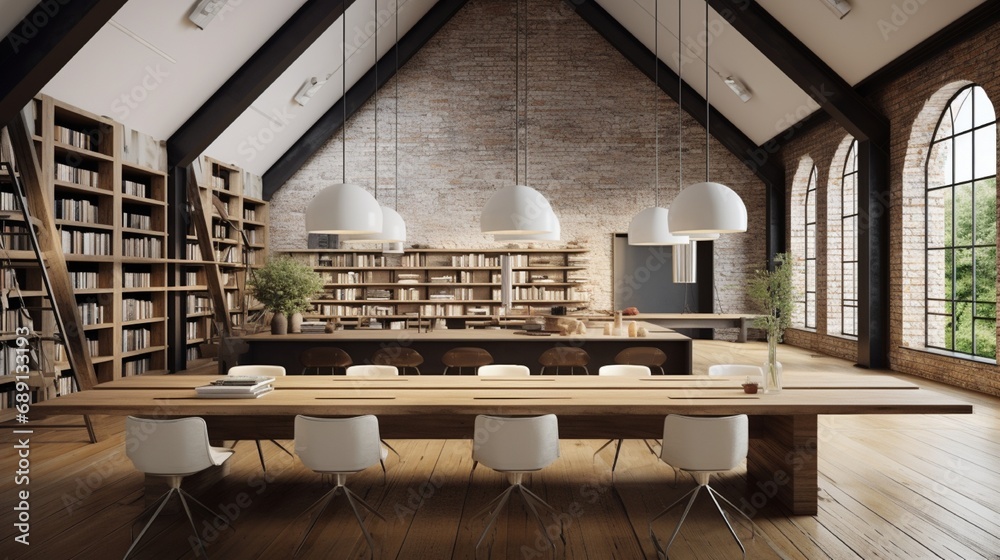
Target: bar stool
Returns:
[[702, 446], [648, 356], [565, 356], [465, 357], [266, 371], [320, 357], [400, 357]]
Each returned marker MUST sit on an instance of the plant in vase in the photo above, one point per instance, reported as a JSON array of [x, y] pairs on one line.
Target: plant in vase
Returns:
[[771, 291], [284, 287]]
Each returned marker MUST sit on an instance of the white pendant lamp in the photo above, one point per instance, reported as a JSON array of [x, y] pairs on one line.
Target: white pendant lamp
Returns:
[[519, 210], [708, 207], [553, 235], [651, 225], [343, 208], [393, 226]]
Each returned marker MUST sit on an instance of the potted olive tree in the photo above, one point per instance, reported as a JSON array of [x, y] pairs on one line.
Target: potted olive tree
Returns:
[[284, 287], [771, 291]]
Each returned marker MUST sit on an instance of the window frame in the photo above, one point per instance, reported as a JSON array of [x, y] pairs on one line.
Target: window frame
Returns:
[[852, 217], [810, 198]]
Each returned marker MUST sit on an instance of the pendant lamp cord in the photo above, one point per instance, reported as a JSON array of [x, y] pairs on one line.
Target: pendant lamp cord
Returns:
[[708, 104], [526, 98], [396, 123], [375, 13], [343, 89], [656, 105], [680, 103], [517, 92]]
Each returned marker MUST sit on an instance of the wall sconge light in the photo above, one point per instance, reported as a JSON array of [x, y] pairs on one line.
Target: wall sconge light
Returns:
[[838, 7], [308, 90], [205, 11], [738, 88]]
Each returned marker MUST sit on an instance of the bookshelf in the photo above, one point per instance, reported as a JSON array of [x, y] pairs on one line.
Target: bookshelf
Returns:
[[232, 203], [111, 217], [453, 283]]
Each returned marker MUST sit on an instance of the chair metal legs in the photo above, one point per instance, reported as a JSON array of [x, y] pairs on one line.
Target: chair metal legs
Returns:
[[353, 500], [260, 452], [160, 503], [532, 500], [712, 493]]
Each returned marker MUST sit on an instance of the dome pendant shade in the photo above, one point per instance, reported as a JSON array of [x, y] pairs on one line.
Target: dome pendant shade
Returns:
[[651, 227], [517, 210], [554, 235], [393, 230], [343, 208], [708, 208]]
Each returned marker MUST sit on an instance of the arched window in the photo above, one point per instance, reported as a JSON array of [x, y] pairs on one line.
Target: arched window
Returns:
[[961, 219], [809, 255], [849, 244]]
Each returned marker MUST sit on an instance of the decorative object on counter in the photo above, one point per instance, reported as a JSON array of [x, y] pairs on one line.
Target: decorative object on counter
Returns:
[[633, 329], [642, 332], [617, 329], [607, 329], [581, 327], [630, 311], [750, 387], [284, 287], [330, 327], [772, 292], [295, 322]]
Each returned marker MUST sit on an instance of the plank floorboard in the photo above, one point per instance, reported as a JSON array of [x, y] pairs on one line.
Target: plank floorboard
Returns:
[[892, 486]]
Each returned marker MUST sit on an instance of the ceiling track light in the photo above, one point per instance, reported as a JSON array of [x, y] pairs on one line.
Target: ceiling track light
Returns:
[[738, 88], [840, 8], [308, 90], [205, 11]]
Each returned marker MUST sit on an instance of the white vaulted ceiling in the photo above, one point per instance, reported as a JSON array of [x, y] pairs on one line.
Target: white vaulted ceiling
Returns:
[[151, 68]]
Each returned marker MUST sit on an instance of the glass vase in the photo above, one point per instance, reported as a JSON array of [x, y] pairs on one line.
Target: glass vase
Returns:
[[772, 367]]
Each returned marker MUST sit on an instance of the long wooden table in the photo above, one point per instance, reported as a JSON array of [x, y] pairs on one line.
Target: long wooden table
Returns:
[[505, 345], [784, 445]]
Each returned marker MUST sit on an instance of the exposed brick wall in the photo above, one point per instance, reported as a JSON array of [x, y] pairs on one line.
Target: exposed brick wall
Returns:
[[913, 105], [590, 140]]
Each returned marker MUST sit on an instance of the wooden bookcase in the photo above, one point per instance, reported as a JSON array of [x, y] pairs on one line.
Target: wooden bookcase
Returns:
[[111, 215], [231, 204], [452, 283]]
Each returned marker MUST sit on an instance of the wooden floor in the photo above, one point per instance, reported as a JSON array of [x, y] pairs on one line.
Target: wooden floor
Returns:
[[890, 487]]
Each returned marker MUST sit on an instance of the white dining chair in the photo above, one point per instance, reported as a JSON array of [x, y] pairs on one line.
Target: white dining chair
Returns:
[[372, 371], [264, 371], [622, 370], [737, 370], [503, 370], [172, 449], [516, 446], [702, 446], [625, 370], [339, 447]]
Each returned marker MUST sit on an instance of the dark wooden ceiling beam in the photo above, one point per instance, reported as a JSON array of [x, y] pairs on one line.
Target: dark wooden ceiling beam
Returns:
[[324, 129], [42, 43], [249, 82], [835, 96]]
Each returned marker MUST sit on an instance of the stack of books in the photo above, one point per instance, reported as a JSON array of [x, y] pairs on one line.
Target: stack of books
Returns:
[[237, 387]]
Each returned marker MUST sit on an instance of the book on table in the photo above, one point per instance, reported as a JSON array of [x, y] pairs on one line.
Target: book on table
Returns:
[[237, 386]]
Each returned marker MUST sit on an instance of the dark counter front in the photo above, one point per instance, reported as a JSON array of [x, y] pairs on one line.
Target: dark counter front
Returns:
[[506, 347]]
